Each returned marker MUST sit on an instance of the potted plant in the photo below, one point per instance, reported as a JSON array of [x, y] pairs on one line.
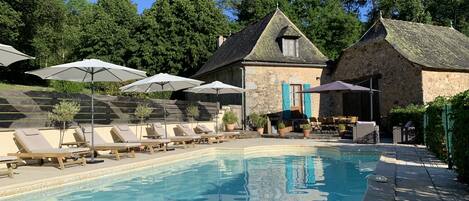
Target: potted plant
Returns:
[[230, 119], [142, 112], [62, 114], [259, 122], [306, 129], [282, 129]]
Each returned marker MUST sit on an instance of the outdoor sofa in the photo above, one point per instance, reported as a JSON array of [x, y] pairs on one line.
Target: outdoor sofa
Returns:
[[33, 145]]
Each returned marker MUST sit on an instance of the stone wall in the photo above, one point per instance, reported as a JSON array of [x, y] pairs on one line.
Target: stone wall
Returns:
[[437, 83], [264, 86], [399, 82]]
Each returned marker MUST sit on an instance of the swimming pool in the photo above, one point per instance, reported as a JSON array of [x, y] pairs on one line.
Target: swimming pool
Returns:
[[325, 174]]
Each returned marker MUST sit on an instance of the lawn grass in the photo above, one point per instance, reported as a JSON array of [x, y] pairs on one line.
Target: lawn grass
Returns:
[[17, 87]]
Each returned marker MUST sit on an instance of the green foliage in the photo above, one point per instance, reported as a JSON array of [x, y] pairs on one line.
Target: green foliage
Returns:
[[306, 126], [143, 111], [408, 10], [192, 111], [414, 113], [64, 112], [178, 36], [67, 87], [257, 120], [435, 133], [281, 125], [460, 109], [10, 23], [326, 23], [230, 117]]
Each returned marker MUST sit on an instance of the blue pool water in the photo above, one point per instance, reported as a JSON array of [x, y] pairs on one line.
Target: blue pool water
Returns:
[[325, 175]]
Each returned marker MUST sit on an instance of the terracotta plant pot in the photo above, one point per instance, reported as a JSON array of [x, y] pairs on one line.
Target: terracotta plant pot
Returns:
[[306, 133], [282, 132], [230, 127], [260, 131]]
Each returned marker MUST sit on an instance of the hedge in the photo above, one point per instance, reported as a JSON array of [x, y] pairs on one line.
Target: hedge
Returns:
[[460, 115], [434, 131], [414, 113]]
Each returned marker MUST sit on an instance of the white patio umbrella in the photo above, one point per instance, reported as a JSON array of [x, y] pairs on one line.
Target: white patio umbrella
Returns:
[[9, 55], [217, 88], [161, 82], [89, 70]]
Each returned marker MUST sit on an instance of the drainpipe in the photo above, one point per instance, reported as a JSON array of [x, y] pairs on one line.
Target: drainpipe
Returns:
[[243, 96]]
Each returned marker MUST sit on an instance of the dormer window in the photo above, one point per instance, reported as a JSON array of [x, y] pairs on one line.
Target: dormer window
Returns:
[[289, 41], [290, 47]]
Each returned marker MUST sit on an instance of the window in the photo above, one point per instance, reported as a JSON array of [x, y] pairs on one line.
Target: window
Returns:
[[289, 47], [295, 98]]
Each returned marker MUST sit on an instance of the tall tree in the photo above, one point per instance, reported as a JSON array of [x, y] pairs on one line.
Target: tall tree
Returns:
[[108, 31], [178, 36], [447, 12], [10, 23], [408, 10], [326, 23]]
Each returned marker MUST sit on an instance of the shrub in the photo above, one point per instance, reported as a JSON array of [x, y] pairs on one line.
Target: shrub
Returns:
[[414, 113], [306, 126], [67, 87], [230, 118], [435, 133], [281, 125], [143, 111], [62, 114], [192, 112], [460, 115], [258, 121]]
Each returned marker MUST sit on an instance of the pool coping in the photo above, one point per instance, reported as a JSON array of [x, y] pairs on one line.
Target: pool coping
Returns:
[[15, 190]]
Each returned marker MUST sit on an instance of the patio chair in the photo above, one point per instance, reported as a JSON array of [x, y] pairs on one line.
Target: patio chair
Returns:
[[122, 133], [101, 145], [158, 132], [33, 145], [10, 163]]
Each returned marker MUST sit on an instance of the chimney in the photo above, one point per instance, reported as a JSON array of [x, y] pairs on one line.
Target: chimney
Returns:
[[220, 40]]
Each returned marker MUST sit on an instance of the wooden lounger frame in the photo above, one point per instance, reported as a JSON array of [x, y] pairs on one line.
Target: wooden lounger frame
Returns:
[[151, 146], [115, 151], [9, 169], [60, 157]]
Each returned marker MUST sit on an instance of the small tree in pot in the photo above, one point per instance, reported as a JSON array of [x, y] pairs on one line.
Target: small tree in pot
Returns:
[[230, 119], [62, 114], [259, 122], [192, 112], [306, 129], [282, 129], [142, 112]]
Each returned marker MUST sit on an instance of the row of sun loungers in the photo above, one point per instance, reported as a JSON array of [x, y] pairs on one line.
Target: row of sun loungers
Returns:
[[33, 145]]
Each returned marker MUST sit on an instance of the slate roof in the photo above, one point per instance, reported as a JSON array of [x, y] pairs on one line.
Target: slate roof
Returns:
[[431, 46], [259, 42]]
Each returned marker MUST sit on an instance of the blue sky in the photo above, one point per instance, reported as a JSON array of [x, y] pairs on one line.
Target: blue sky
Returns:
[[142, 4]]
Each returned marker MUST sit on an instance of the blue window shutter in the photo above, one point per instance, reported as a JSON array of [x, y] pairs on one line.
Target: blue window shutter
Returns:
[[307, 101], [286, 100]]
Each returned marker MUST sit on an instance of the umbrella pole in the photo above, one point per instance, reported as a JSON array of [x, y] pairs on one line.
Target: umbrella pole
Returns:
[[371, 99], [92, 123], [164, 115], [218, 112]]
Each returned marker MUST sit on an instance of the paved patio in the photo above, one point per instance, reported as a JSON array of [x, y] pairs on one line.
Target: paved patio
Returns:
[[412, 172]]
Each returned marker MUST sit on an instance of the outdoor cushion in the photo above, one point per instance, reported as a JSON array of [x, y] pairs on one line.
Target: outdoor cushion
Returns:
[[123, 127], [159, 129], [87, 134], [31, 140], [125, 133]]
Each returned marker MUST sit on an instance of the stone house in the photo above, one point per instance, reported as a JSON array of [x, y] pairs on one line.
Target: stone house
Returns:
[[408, 62], [272, 59]]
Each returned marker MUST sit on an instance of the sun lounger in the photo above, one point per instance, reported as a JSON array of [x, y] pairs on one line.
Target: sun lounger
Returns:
[[226, 135], [122, 133], [186, 130], [10, 163], [158, 132], [32, 145], [101, 145]]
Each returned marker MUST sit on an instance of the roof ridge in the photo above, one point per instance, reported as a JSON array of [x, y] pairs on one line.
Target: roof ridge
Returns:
[[419, 23]]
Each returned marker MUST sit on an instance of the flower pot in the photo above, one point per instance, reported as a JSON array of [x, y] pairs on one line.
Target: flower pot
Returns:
[[260, 131], [230, 127], [282, 132], [306, 133]]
